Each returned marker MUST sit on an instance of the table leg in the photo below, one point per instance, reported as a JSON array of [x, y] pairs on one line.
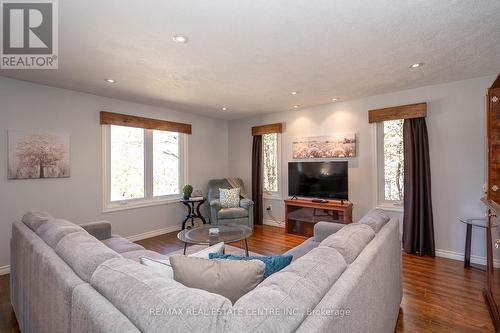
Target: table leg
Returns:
[[198, 213], [184, 222], [468, 238], [188, 216], [185, 246], [246, 248], [192, 214]]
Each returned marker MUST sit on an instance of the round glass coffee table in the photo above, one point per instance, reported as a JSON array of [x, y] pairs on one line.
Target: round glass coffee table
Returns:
[[207, 235]]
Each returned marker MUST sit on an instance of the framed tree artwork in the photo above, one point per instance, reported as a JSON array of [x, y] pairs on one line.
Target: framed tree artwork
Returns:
[[38, 154]]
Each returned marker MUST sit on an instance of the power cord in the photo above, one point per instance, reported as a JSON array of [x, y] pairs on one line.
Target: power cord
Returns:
[[273, 218]]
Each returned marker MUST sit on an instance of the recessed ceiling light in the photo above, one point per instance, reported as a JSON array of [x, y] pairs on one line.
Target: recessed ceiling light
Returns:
[[417, 65], [110, 80], [180, 39], [294, 93], [224, 108], [296, 106], [335, 99]]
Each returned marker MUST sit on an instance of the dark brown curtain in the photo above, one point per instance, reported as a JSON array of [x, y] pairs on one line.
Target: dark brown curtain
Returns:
[[257, 179], [418, 225]]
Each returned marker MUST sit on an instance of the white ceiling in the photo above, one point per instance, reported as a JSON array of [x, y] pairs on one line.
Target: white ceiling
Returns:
[[248, 55]]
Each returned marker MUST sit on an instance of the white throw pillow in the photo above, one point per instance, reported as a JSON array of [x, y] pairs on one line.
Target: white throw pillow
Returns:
[[217, 248], [163, 266], [229, 198]]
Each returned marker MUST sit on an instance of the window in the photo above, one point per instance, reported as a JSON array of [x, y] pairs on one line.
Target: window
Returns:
[[127, 163], [271, 162], [390, 163], [166, 158], [141, 167]]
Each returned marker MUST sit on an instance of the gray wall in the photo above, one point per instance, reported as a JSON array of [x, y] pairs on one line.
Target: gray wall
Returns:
[[79, 198], [456, 125]]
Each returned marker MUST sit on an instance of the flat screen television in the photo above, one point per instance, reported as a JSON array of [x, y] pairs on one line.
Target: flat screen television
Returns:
[[325, 180]]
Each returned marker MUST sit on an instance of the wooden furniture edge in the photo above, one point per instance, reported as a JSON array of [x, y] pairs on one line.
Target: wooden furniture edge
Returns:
[[111, 118], [346, 208], [496, 83], [409, 111], [492, 309], [267, 129]]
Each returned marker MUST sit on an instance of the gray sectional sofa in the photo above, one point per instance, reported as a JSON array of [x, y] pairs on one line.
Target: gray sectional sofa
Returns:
[[70, 278]]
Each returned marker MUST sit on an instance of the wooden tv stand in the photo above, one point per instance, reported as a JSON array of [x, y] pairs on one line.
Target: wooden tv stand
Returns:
[[302, 214]]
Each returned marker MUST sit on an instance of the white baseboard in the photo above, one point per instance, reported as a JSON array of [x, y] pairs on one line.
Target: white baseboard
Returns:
[[460, 257], [274, 223], [154, 233], [5, 270]]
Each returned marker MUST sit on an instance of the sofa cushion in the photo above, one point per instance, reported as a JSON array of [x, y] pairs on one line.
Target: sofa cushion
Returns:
[[91, 312], [53, 230], [99, 229], [137, 254], [119, 244], [35, 219], [375, 219], [153, 303], [232, 213], [83, 253], [324, 229], [350, 240], [161, 266], [298, 288], [302, 249], [231, 279]]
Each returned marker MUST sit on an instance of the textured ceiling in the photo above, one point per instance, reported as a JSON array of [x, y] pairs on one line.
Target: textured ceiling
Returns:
[[248, 55]]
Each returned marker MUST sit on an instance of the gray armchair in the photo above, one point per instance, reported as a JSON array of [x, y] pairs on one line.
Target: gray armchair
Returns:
[[218, 215]]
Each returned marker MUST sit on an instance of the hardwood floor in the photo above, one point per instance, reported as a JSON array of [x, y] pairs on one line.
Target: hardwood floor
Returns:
[[439, 294]]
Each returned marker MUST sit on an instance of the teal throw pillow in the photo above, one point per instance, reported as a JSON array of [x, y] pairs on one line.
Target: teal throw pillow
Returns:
[[273, 263]]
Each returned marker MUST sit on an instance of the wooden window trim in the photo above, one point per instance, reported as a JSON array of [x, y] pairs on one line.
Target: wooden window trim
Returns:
[[110, 118], [267, 129], [418, 110]]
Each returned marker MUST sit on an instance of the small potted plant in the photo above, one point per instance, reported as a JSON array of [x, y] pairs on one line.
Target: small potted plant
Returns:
[[187, 190]]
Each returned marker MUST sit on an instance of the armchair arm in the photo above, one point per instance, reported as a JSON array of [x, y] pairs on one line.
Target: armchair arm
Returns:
[[324, 229], [100, 230], [215, 206], [246, 203]]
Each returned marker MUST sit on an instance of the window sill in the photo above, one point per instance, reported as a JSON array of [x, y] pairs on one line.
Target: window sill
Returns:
[[271, 196], [115, 207], [390, 208]]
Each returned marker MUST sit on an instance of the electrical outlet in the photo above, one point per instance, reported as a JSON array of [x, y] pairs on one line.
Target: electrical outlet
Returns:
[[269, 208]]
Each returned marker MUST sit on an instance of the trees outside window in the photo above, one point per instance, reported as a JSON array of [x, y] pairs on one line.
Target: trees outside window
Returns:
[[142, 166], [270, 150], [390, 162], [166, 156], [127, 163]]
